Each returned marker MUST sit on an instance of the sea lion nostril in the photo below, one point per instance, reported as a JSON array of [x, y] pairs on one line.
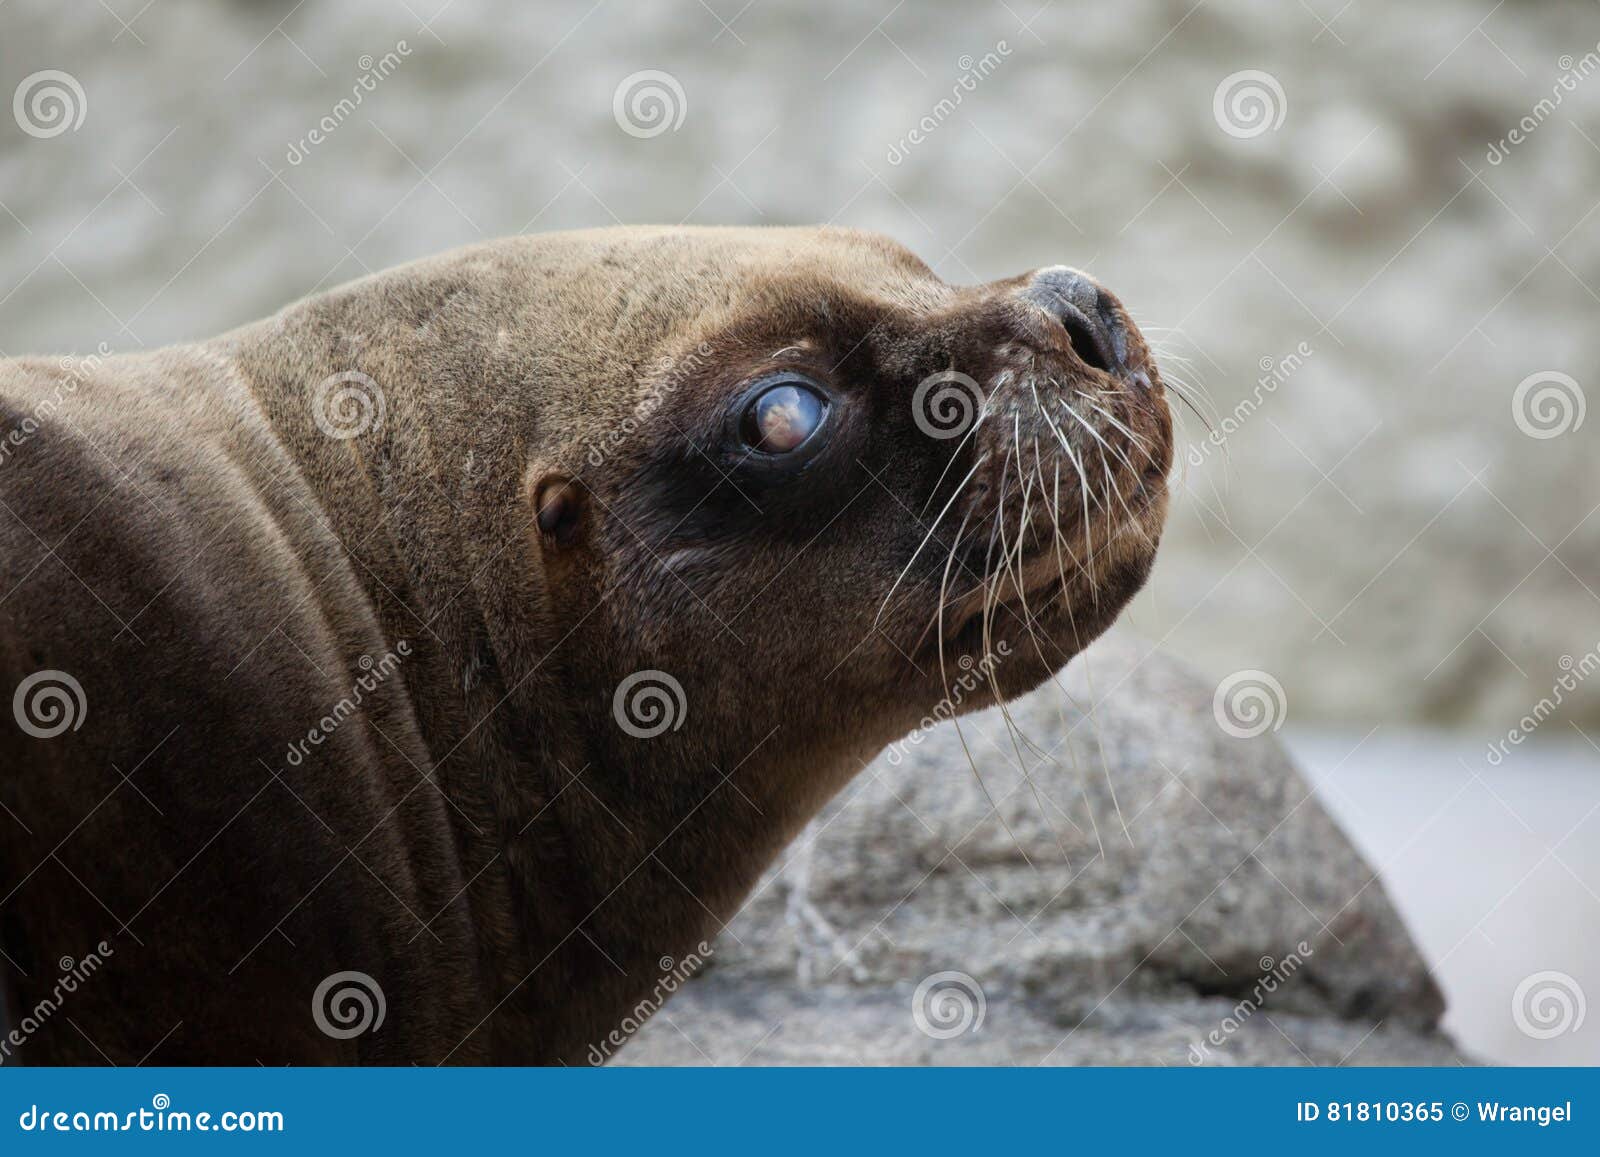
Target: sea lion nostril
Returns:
[[1097, 334], [1088, 340]]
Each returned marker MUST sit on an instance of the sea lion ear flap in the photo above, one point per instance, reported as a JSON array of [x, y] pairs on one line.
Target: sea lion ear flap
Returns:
[[558, 503]]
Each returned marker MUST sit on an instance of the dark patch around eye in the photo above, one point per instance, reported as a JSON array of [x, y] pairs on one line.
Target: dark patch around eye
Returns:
[[778, 466]]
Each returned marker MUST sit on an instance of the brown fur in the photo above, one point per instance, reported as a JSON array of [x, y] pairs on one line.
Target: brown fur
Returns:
[[180, 536]]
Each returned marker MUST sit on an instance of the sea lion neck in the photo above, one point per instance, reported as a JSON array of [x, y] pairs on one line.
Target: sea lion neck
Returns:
[[407, 404]]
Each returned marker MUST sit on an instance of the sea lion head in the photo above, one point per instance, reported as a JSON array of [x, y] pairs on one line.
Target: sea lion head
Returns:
[[798, 493]]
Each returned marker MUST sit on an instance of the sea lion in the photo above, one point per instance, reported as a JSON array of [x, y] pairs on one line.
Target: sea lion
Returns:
[[422, 674]]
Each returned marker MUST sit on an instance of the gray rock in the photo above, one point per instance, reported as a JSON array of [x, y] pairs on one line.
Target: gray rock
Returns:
[[1154, 890]]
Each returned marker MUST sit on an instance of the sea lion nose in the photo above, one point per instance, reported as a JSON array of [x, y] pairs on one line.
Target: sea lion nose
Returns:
[[1092, 319]]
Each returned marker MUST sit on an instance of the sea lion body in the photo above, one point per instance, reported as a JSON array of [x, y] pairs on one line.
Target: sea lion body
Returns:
[[351, 597], [140, 524]]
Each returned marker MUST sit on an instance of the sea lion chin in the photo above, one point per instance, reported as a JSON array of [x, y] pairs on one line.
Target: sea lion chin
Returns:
[[678, 526]]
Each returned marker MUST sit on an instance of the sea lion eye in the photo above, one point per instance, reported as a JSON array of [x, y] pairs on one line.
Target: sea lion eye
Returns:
[[784, 417]]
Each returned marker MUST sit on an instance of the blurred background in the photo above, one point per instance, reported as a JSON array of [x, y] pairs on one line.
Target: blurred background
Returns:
[[1365, 236]]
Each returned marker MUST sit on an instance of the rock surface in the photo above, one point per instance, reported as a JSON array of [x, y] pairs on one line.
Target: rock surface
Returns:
[[1154, 891]]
